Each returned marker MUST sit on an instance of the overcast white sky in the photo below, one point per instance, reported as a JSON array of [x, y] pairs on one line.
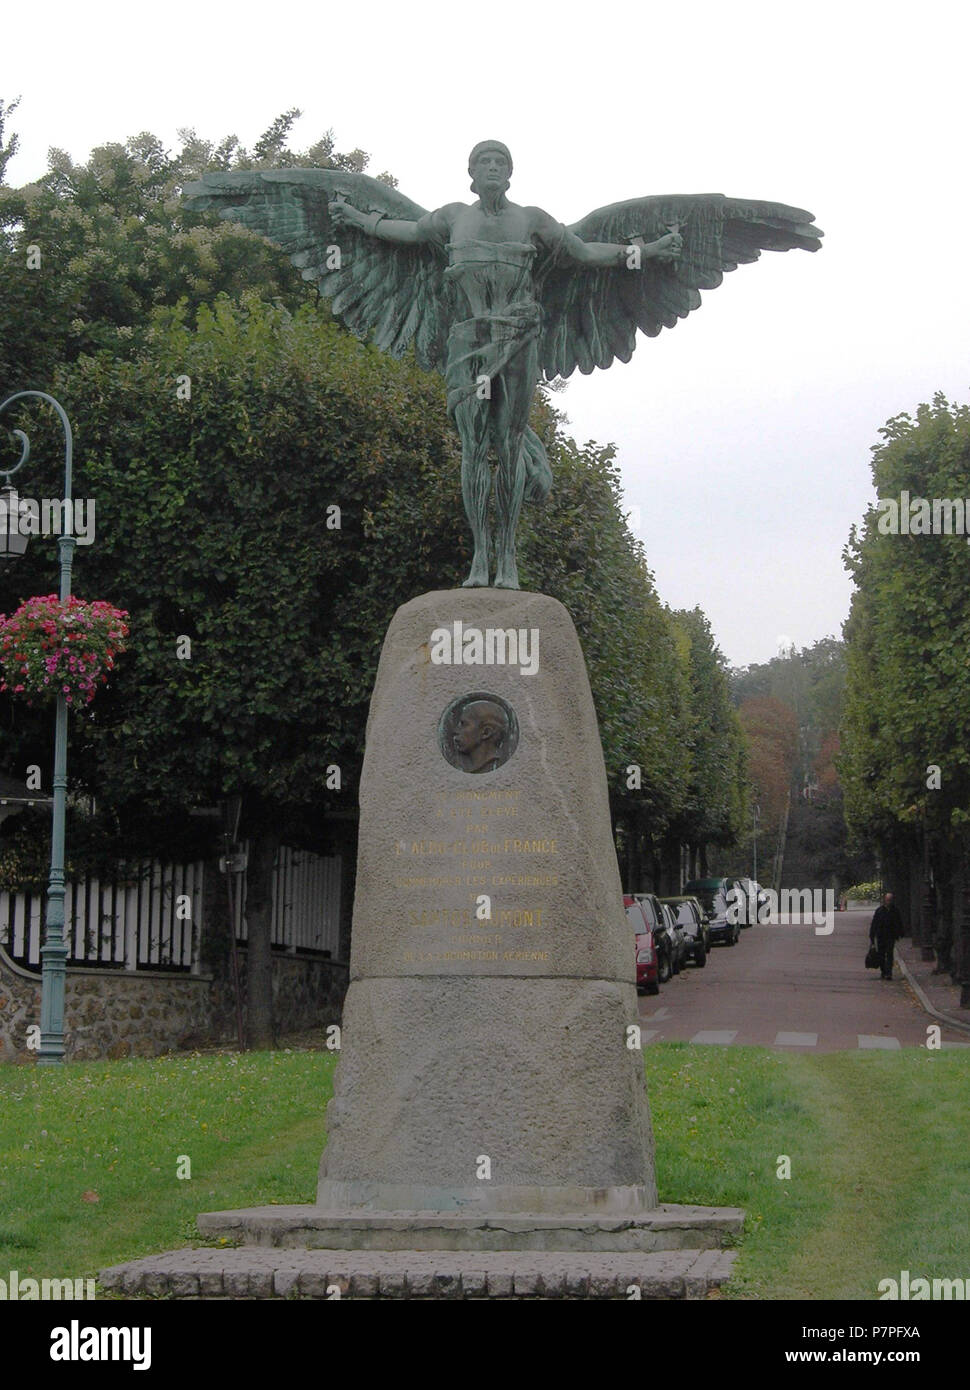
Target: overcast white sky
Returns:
[[744, 433]]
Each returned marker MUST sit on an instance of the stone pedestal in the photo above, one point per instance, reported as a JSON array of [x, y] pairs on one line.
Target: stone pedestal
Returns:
[[486, 1064]]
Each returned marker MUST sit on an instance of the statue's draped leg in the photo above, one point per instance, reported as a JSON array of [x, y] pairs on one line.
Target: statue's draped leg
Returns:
[[481, 352], [468, 405], [508, 427]]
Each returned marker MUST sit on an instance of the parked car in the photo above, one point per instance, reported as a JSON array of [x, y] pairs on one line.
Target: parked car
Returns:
[[701, 914], [645, 947], [680, 950], [742, 897], [723, 924], [666, 947], [690, 921], [722, 919], [750, 899], [706, 891]]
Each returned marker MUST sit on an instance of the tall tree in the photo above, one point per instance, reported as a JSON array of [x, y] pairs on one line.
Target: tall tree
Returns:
[[716, 803], [771, 731], [92, 249], [905, 763], [9, 144]]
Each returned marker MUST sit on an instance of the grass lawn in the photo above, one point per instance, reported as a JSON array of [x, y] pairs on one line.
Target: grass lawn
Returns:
[[89, 1155], [879, 1146]]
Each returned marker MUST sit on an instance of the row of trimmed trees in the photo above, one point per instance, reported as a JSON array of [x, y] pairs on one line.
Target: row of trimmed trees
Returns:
[[906, 730], [268, 491]]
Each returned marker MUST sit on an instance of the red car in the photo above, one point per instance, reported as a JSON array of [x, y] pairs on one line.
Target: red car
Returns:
[[648, 979]]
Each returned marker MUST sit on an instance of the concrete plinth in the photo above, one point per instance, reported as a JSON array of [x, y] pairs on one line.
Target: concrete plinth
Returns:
[[668, 1227], [486, 1059]]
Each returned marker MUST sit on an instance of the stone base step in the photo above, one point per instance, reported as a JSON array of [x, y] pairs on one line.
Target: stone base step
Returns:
[[668, 1227], [252, 1272]]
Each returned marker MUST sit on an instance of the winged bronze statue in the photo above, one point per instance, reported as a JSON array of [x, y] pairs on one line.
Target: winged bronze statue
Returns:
[[494, 295]]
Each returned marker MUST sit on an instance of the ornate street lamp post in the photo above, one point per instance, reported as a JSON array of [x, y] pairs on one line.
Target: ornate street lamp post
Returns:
[[54, 951]]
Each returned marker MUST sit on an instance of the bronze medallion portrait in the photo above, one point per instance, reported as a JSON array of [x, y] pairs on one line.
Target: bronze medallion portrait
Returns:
[[478, 732]]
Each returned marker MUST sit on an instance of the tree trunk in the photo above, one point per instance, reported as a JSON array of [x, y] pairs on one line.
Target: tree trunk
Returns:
[[942, 868], [913, 879], [669, 867], [963, 958], [638, 853], [259, 956], [926, 905]]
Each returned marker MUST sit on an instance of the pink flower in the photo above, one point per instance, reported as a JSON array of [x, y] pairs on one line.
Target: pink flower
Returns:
[[37, 650]]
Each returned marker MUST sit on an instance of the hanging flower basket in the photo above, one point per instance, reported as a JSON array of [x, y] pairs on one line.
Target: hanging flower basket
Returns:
[[54, 646]]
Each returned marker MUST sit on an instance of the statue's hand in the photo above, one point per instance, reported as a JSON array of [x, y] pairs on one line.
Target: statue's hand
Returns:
[[342, 213], [667, 248]]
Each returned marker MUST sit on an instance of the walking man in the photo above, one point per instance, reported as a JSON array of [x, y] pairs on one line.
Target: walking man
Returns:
[[884, 931]]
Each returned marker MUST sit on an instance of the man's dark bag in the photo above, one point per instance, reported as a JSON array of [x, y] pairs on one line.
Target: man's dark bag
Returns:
[[872, 958]]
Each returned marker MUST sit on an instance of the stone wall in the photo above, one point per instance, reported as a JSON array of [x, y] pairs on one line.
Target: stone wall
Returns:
[[19, 1008], [307, 993], [108, 1013], [114, 1013]]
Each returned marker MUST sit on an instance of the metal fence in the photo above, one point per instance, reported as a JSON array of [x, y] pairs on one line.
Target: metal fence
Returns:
[[151, 919], [147, 920]]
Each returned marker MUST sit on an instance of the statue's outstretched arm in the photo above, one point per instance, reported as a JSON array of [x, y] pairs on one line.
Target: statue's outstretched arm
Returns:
[[376, 224], [611, 253], [603, 254], [431, 227]]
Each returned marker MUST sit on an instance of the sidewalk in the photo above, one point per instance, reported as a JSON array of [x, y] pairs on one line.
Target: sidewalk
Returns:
[[938, 991]]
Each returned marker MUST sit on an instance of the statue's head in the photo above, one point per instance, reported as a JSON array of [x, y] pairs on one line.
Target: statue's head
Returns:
[[490, 164]]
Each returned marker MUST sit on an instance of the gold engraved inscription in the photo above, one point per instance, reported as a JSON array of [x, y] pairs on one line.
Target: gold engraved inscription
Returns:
[[462, 883]]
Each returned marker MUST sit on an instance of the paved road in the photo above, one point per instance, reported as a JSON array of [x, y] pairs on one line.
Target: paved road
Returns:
[[786, 987]]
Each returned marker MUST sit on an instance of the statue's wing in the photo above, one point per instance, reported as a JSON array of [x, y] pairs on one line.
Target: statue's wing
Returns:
[[591, 316], [380, 289]]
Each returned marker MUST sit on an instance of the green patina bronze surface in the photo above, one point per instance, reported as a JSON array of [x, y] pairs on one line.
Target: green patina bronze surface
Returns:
[[495, 295]]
